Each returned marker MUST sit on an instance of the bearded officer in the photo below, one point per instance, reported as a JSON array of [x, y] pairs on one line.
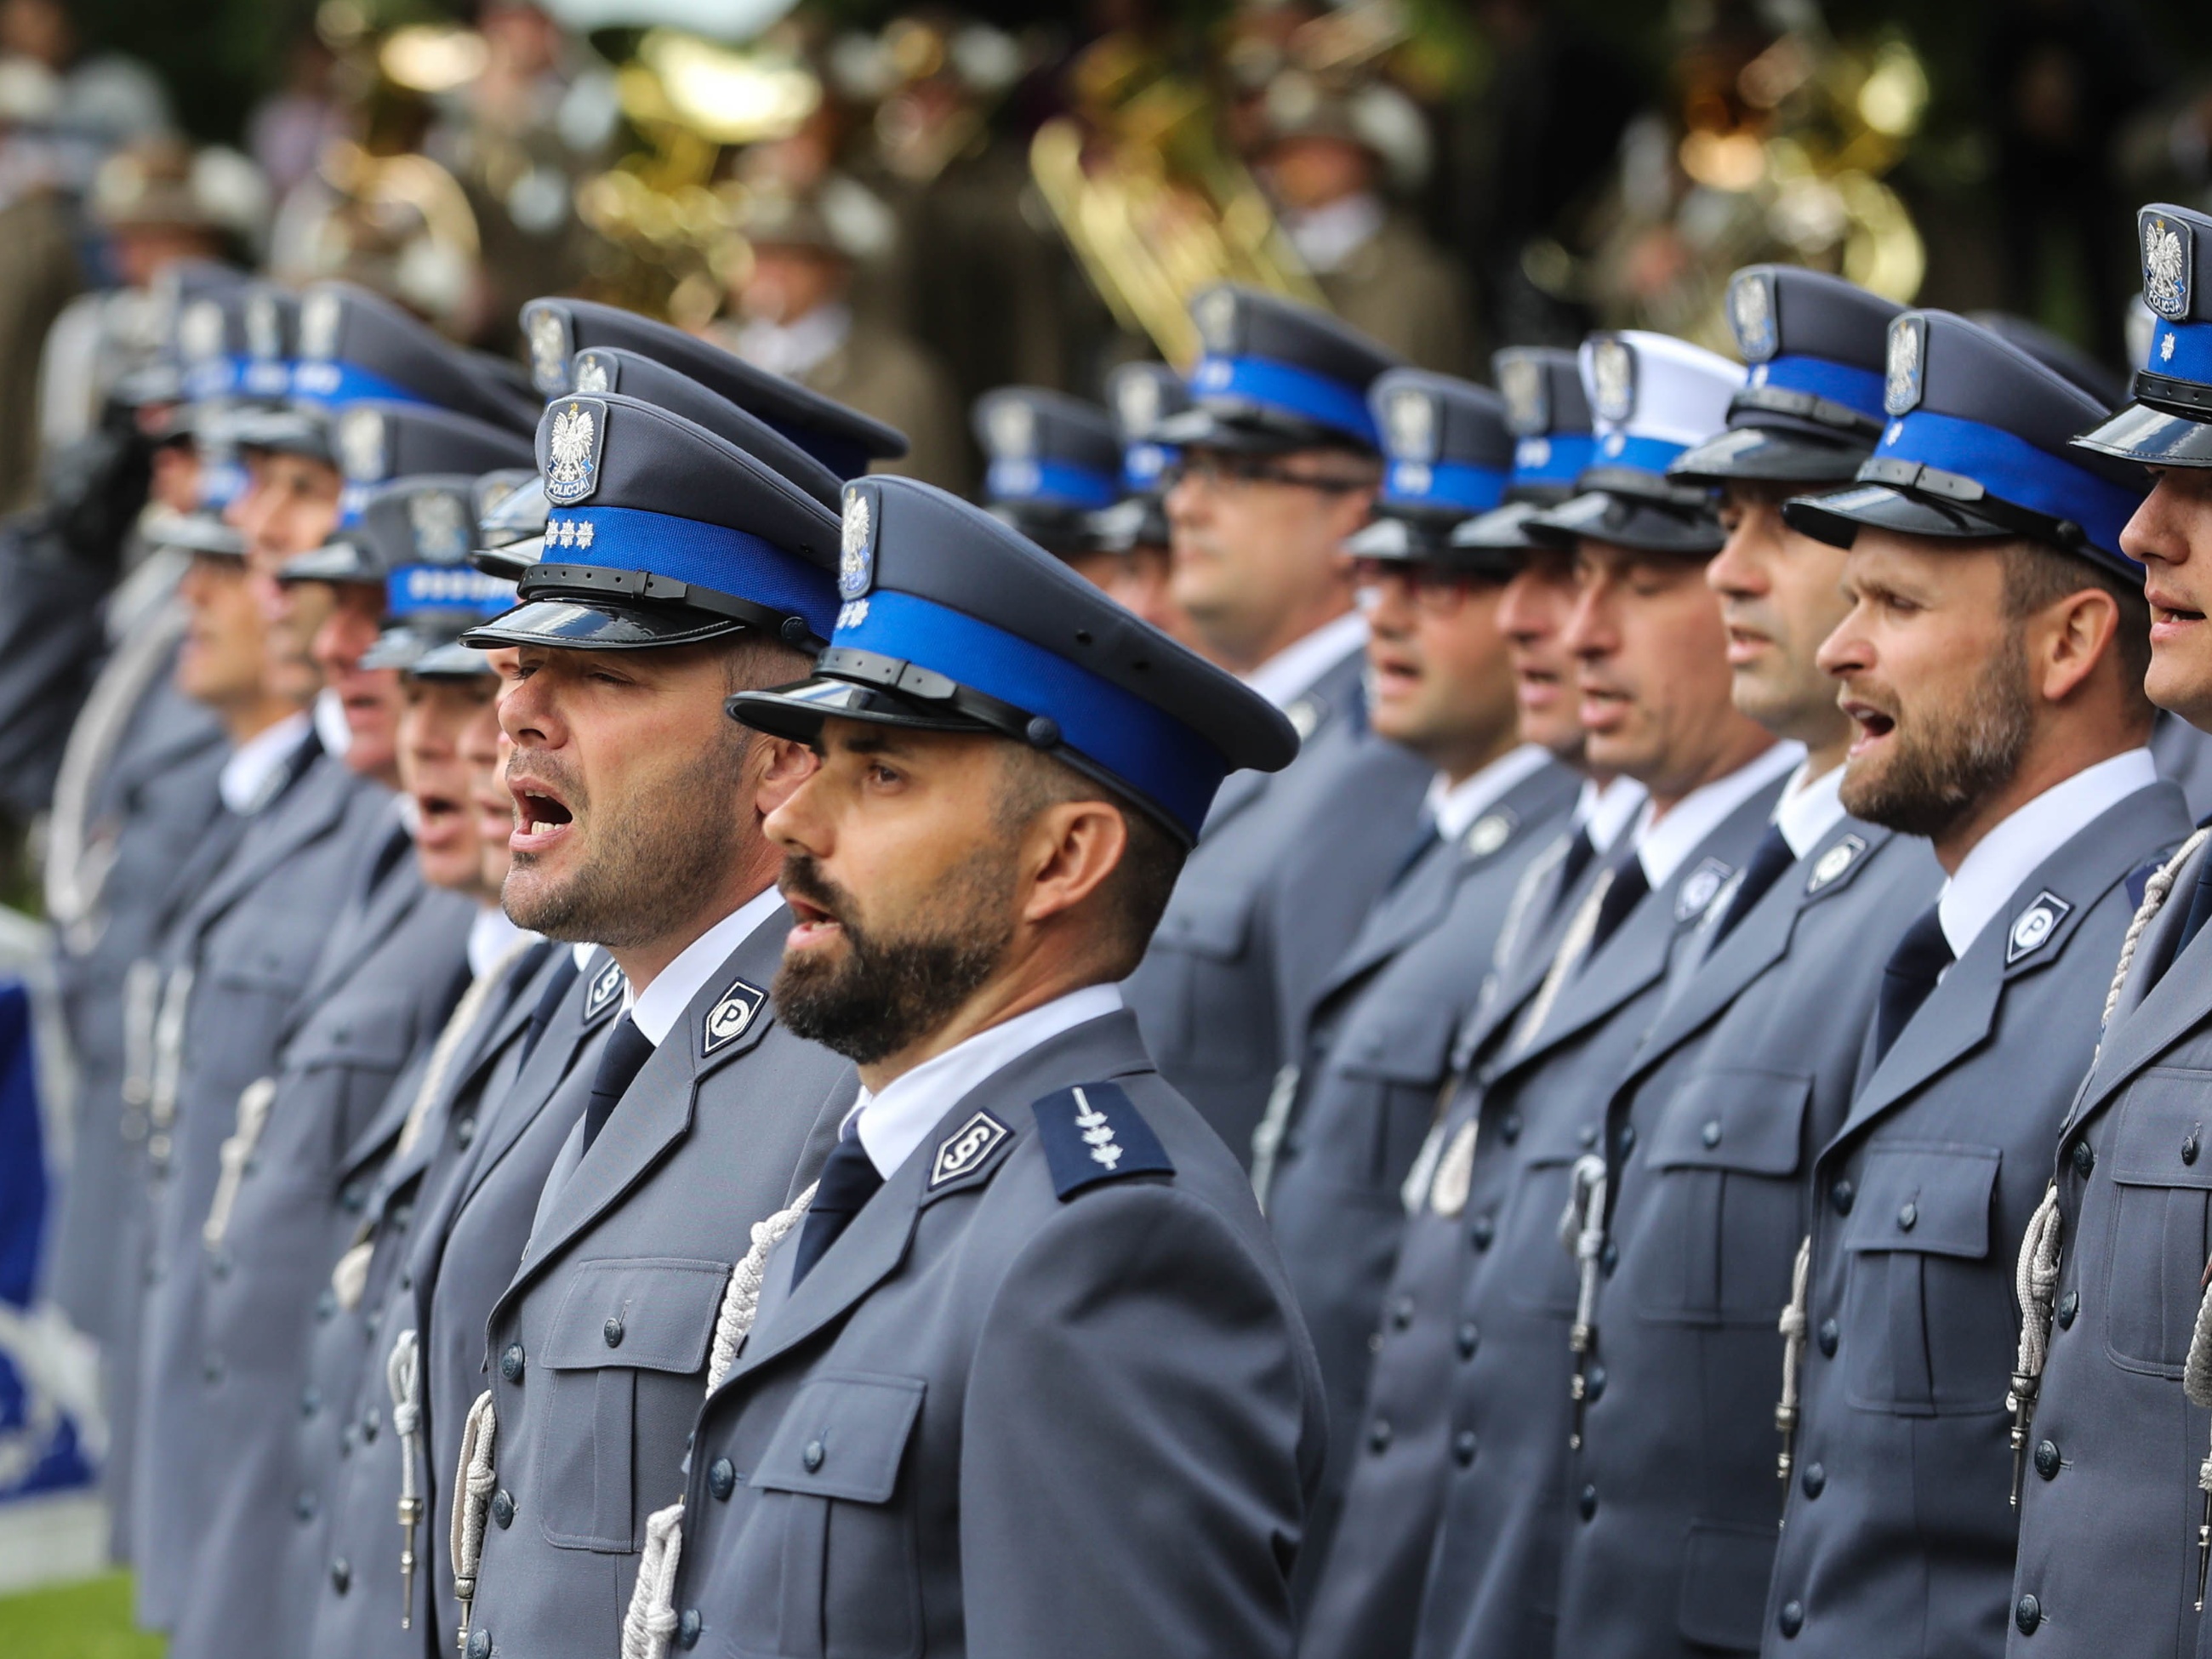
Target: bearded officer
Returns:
[[2110, 1510], [1020, 1213], [1376, 1042], [1278, 465], [677, 568], [1993, 662], [1749, 1069]]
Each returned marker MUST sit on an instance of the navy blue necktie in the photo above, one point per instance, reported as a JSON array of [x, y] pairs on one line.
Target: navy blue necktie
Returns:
[[1768, 861], [548, 1001], [628, 1049], [1573, 862], [849, 1181], [2200, 907], [1425, 839], [1914, 967], [1630, 887]]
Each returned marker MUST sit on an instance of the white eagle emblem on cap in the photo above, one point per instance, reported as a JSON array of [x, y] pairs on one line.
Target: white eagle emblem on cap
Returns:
[[1215, 313], [1612, 371], [548, 351], [571, 467], [1521, 381], [199, 330], [265, 340], [2166, 268], [318, 325], [594, 373], [856, 550], [1409, 418], [1901, 383], [1013, 424], [361, 445], [441, 527], [1137, 401], [1751, 314]]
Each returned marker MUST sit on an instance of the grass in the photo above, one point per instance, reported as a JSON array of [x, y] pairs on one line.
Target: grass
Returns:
[[91, 1620]]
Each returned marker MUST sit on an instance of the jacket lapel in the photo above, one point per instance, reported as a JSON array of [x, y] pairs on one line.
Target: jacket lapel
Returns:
[[308, 811], [2149, 1021], [499, 1130]]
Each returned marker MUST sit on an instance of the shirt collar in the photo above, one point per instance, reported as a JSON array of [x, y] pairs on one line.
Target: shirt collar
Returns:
[[892, 1124], [1809, 808], [490, 935], [658, 1007], [1453, 807], [1604, 809], [247, 774], [1290, 672], [2001, 860], [331, 723], [1661, 846]]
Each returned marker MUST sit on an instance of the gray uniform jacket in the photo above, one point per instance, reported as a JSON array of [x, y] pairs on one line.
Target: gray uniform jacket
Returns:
[[1378, 1049], [2184, 757], [250, 941], [2109, 1505], [341, 1580], [469, 1241], [1899, 1532], [598, 1348], [390, 974], [1006, 1415], [1744, 1077], [1287, 865], [1493, 1572], [1368, 1590]]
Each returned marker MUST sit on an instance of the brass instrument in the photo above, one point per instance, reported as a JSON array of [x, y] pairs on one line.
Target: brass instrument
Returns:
[[399, 223]]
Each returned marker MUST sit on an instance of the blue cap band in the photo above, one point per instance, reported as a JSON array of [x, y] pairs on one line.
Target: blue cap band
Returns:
[[213, 377], [1154, 753], [1461, 486], [1142, 465], [221, 483], [266, 378], [416, 587], [1855, 388], [1053, 483], [324, 382], [1301, 392], [710, 556], [2181, 352], [1637, 454], [1554, 459], [2014, 470]]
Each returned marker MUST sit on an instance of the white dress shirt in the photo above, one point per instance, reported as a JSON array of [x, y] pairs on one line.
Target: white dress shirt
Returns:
[[254, 763], [1607, 809], [331, 723], [1662, 845], [1290, 672], [1989, 875], [1453, 807], [490, 932], [658, 1007], [1809, 808], [892, 1124]]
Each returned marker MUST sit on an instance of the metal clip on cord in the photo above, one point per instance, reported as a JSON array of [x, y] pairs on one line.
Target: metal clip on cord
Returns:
[[1793, 1323], [1582, 1228]]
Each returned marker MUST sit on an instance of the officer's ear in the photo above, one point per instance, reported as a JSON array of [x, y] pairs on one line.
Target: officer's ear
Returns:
[[782, 766], [1069, 853]]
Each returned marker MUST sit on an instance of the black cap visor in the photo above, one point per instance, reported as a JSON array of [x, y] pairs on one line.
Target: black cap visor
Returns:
[[340, 561], [1393, 538], [600, 625], [449, 659], [512, 560], [1835, 518], [194, 532], [1502, 529], [2155, 435], [1138, 521], [400, 648], [1641, 521], [1240, 427], [286, 430], [1767, 454]]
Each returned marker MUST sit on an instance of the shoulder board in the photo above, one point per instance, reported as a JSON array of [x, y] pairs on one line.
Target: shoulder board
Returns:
[[1092, 1132]]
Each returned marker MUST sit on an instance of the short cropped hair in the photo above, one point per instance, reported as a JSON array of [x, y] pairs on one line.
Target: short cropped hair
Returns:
[[2036, 575], [1138, 890]]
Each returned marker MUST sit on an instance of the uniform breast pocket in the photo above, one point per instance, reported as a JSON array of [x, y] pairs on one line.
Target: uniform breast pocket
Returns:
[[1207, 933], [1724, 1214], [622, 1323], [2161, 1192], [1540, 1276], [1928, 1317], [356, 1051], [827, 1566], [1397, 1062]]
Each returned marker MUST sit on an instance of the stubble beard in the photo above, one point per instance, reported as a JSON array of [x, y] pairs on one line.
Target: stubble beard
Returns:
[[1964, 756]]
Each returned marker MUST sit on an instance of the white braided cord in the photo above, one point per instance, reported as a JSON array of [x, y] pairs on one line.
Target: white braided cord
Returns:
[[2154, 900], [473, 1480], [2035, 1281], [253, 1104], [402, 1378], [1795, 1322]]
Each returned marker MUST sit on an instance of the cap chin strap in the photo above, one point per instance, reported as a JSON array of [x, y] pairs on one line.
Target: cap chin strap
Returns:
[[544, 580], [1806, 406], [2184, 397], [926, 685], [1938, 488]]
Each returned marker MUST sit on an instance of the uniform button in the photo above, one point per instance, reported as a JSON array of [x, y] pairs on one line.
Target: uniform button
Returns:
[[211, 1370], [1828, 1334], [2189, 1149], [1463, 1445], [341, 1575], [502, 1508], [1508, 1127], [1843, 1194], [402, 1215], [219, 1266], [479, 1644], [1586, 1502], [464, 1131], [305, 1506], [2027, 1613], [612, 1330], [347, 1437], [688, 1628], [2084, 1161], [2046, 1459], [1908, 1217], [1587, 1134], [1815, 1480], [722, 1478], [1378, 1435], [370, 1423], [326, 1304], [310, 1400], [510, 1363], [1608, 1258], [1481, 1230], [354, 1197], [1711, 1134], [811, 1455], [374, 1318], [1469, 1339], [1401, 1312], [1791, 1619], [406, 1281], [2069, 1305], [1626, 1138], [1594, 1383]]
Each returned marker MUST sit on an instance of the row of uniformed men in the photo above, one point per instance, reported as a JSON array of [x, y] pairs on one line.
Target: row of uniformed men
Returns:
[[1623, 865]]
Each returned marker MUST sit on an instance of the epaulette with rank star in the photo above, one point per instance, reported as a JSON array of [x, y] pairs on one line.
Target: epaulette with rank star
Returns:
[[1093, 1133]]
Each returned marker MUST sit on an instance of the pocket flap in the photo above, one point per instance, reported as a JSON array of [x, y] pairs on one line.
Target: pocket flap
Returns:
[[1211, 920], [381, 1036], [1409, 1044], [1745, 1119], [1932, 1200], [645, 1312], [2160, 1137], [1724, 1577], [843, 1436]]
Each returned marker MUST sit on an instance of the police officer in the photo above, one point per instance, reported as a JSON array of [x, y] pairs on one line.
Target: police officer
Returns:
[[1278, 465], [1375, 1041], [677, 568], [1748, 1070], [1028, 1353], [1052, 462], [1992, 661], [1368, 1587], [2109, 1517], [1142, 395], [1651, 668]]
